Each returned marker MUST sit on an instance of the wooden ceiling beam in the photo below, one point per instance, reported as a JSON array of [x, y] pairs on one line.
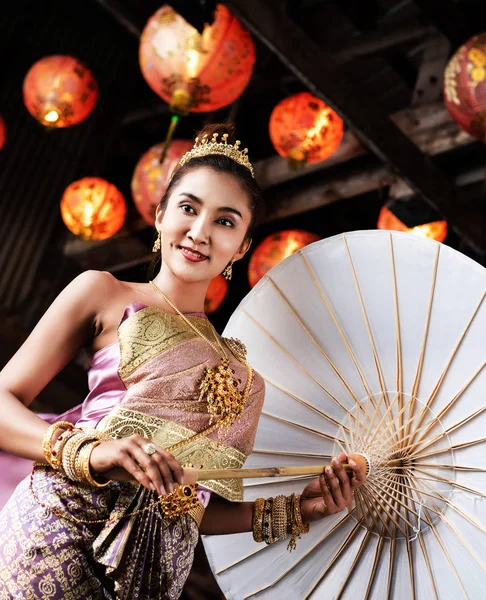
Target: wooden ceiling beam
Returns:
[[360, 109], [455, 23]]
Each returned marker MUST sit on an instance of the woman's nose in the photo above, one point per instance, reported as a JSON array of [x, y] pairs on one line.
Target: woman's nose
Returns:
[[199, 232]]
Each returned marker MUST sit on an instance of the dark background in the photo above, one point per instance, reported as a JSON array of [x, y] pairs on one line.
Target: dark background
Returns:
[[380, 51]]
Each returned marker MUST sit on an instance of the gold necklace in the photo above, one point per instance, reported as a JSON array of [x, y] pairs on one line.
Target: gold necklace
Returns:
[[219, 387]]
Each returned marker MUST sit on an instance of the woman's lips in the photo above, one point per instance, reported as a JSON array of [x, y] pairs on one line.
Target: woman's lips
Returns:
[[192, 255]]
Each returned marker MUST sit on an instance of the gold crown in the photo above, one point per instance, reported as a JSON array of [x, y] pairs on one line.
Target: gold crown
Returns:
[[203, 148]]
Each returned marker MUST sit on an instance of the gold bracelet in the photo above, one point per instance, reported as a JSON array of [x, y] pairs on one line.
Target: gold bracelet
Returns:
[[267, 522], [197, 513], [82, 463], [298, 526], [258, 519], [47, 441], [70, 456], [279, 518], [289, 506], [303, 528], [59, 447]]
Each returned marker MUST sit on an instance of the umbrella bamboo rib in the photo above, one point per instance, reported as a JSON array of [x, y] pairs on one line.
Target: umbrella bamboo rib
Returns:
[[304, 402], [298, 426], [438, 496], [296, 362], [425, 554], [333, 561], [450, 404], [464, 488], [336, 323], [437, 386], [451, 449], [374, 568], [302, 558], [423, 444], [398, 332], [315, 342], [367, 322], [449, 559], [391, 567], [418, 374], [361, 549]]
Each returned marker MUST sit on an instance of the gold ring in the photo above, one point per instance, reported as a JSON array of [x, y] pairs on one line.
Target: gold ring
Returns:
[[150, 448]]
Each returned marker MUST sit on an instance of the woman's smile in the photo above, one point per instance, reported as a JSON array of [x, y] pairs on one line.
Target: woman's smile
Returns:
[[192, 255]]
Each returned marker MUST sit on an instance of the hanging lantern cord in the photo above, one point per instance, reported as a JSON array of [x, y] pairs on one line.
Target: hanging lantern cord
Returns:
[[168, 138]]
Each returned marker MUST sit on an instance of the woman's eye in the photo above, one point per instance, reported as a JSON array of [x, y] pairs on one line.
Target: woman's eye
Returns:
[[226, 222], [188, 208]]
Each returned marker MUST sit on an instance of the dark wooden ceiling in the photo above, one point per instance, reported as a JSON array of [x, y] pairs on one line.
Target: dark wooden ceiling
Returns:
[[379, 63]]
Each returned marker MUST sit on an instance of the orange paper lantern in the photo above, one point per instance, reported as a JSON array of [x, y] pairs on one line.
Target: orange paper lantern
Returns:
[[304, 129], [274, 249], [3, 132], [59, 91], [465, 87], [150, 178], [437, 230], [215, 295], [93, 208], [192, 71]]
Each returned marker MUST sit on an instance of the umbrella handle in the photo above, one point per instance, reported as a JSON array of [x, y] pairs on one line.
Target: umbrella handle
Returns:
[[192, 475]]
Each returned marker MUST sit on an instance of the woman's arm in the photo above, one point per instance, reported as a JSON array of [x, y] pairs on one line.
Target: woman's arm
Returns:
[[324, 496], [69, 324]]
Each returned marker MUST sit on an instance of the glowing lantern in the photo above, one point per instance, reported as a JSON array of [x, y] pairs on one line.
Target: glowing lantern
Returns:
[[304, 129], [196, 72], [437, 230], [93, 208], [3, 132], [465, 87], [216, 294], [150, 177], [59, 91], [274, 249]]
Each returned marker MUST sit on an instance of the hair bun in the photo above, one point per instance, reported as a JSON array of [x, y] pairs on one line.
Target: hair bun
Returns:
[[219, 128]]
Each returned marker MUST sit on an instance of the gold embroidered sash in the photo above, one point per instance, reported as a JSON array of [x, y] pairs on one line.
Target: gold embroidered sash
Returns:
[[204, 453]]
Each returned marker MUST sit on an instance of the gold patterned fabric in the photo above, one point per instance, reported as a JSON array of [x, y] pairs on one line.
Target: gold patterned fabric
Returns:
[[204, 453], [42, 556]]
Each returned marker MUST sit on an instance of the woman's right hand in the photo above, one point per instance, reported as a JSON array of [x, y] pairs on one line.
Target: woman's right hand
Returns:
[[125, 459]]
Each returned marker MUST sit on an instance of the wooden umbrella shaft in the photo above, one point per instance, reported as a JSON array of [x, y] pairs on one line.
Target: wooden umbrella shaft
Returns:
[[191, 475]]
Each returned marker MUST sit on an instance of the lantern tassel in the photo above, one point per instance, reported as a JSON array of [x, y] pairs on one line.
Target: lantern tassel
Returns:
[[168, 138]]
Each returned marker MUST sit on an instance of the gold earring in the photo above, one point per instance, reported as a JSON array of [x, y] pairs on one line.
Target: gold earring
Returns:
[[157, 243], [228, 272]]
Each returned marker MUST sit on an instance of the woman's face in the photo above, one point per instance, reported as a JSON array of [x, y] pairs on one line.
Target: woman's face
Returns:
[[204, 224]]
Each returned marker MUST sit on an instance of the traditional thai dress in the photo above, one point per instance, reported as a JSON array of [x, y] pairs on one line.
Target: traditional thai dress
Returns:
[[148, 383]]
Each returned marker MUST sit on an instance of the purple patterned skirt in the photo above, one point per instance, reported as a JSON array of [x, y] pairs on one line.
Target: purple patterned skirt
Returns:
[[44, 556]]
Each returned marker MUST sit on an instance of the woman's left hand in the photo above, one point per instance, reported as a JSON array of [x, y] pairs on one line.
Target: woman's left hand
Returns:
[[332, 491]]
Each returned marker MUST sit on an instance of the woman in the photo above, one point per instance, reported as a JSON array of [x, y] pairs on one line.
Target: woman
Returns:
[[107, 514]]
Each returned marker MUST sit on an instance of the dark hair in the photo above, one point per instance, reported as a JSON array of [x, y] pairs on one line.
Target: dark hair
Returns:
[[221, 164]]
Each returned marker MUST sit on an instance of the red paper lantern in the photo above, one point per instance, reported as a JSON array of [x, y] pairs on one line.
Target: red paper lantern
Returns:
[[192, 71], [93, 208], [215, 295], [437, 230], [3, 132], [465, 87], [274, 249], [304, 129], [59, 91], [150, 178]]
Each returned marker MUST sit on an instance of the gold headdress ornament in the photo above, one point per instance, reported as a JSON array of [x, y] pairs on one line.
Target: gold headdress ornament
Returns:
[[203, 148]]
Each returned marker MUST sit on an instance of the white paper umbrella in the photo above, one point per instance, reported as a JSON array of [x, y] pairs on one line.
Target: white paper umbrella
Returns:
[[370, 342]]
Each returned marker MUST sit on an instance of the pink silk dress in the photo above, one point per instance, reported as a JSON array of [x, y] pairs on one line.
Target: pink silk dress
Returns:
[[146, 383]]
